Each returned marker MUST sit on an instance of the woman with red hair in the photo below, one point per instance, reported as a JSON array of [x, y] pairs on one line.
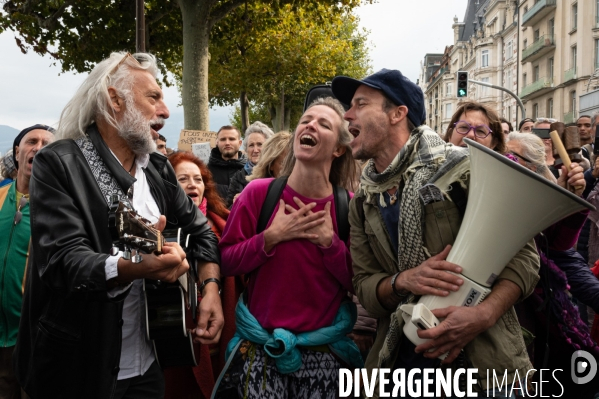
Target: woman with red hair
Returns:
[[197, 382]]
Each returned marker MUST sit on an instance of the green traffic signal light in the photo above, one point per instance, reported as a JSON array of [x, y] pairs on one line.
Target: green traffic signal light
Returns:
[[462, 78]]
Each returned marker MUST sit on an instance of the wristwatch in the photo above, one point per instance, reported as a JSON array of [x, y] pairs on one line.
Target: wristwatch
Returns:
[[395, 290]]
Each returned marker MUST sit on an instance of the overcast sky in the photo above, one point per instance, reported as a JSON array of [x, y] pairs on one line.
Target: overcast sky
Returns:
[[32, 90]]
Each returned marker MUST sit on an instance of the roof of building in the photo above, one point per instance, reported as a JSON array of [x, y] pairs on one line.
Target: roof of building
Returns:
[[473, 18]]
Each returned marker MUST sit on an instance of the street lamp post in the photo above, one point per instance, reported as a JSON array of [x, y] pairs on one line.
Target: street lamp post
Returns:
[[520, 104]]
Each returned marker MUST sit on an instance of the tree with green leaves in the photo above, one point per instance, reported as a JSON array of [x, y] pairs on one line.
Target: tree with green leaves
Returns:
[[273, 56], [81, 33]]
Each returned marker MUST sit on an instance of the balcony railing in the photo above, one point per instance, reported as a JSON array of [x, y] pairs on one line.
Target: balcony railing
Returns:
[[538, 11], [570, 74], [542, 83], [544, 42], [569, 117]]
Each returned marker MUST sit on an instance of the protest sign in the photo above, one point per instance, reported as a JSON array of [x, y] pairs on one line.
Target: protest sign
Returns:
[[189, 137], [202, 151]]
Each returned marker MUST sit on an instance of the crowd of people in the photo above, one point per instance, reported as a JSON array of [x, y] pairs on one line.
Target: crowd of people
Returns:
[[304, 246]]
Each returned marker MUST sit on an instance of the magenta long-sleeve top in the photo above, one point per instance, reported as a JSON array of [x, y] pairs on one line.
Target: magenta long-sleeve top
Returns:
[[298, 285]]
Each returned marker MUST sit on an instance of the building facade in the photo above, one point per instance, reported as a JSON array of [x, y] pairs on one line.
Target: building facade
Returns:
[[559, 44], [544, 51]]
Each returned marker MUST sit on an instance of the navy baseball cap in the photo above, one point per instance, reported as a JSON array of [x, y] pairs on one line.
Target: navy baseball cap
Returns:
[[396, 87]]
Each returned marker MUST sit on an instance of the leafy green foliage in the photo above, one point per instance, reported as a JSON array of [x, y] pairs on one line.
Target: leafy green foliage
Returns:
[[79, 34], [276, 55]]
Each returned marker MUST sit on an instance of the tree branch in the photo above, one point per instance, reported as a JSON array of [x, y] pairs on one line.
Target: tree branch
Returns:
[[222, 10], [48, 23]]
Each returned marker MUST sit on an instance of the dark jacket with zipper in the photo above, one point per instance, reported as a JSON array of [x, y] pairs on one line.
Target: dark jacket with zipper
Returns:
[[238, 183], [69, 343], [223, 171]]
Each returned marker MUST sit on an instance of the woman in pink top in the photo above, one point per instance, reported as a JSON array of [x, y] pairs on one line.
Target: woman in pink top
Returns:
[[299, 270]]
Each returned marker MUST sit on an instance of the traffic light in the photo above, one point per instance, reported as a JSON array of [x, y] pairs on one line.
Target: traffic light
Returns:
[[462, 84]]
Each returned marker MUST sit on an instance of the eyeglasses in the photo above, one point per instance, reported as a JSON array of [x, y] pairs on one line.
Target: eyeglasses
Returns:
[[480, 131], [518, 156], [19, 215], [122, 61]]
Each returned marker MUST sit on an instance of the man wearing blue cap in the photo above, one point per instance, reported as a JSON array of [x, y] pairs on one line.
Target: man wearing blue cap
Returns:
[[14, 248], [401, 235]]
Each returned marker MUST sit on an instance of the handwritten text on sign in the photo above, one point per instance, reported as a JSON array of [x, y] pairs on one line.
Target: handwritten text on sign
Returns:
[[189, 137]]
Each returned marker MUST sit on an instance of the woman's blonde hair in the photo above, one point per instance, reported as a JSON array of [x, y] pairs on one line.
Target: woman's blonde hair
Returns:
[[271, 150]]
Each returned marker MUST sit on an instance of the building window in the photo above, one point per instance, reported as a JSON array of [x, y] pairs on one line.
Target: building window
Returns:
[[509, 50], [524, 44], [484, 90], [535, 110], [550, 108], [550, 68], [551, 27], [535, 76], [524, 80], [449, 89], [574, 16], [574, 56], [573, 103], [484, 58], [536, 35], [596, 52], [448, 110], [597, 13], [509, 83]]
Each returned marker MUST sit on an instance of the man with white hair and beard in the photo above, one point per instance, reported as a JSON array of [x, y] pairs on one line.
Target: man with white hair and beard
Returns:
[[83, 325]]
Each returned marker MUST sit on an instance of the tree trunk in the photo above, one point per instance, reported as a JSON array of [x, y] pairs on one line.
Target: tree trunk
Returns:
[[196, 37], [287, 119], [281, 111], [244, 107], [272, 111]]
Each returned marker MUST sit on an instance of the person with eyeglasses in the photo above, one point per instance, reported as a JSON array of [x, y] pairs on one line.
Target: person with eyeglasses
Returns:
[[83, 331], [477, 122], [564, 274], [14, 248]]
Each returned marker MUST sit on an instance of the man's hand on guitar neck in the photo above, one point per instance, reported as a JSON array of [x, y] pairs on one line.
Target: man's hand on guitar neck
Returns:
[[210, 309], [167, 266]]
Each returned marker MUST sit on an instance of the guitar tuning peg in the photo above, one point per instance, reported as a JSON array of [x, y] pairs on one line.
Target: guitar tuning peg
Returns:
[[114, 251], [136, 258], [127, 254]]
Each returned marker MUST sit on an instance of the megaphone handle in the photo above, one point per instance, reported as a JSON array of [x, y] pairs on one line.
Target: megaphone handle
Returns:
[[563, 154]]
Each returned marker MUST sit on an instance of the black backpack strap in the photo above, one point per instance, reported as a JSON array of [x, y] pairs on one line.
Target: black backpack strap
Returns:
[[275, 189], [342, 212], [458, 196]]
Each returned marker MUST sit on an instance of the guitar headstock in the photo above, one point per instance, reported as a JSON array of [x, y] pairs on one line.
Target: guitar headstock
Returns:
[[136, 232]]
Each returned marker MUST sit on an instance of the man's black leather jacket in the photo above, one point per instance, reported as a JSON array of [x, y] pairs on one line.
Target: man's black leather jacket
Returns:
[[69, 341]]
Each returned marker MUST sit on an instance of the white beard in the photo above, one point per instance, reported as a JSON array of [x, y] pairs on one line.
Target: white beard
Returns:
[[135, 130]]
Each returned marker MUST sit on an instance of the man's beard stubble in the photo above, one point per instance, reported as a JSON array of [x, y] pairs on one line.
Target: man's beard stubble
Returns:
[[228, 154], [136, 131]]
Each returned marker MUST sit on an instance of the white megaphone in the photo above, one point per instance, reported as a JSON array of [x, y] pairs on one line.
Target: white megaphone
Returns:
[[505, 200]]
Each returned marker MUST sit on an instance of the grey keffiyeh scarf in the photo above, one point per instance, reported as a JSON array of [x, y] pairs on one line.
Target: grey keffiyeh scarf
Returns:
[[425, 158]]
